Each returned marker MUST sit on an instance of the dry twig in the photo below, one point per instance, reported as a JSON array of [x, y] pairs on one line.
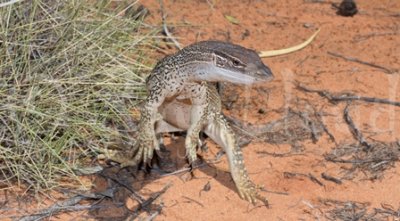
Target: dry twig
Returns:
[[354, 130], [331, 137], [359, 38], [371, 163], [345, 210], [153, 197], [165, 27], [193, 200], [66, 205], [287, 154], [135, 195], [331, 178], [347, 97], [384, 69], [352, 210], [310, 176]]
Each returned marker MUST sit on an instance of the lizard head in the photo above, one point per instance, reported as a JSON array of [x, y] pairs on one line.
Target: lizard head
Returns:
[[232, 63]]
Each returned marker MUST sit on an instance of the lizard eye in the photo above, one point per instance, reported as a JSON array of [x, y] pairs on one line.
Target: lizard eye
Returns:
[[237, 63]]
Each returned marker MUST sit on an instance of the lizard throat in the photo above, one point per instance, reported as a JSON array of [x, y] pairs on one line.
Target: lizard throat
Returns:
[[215, 74]]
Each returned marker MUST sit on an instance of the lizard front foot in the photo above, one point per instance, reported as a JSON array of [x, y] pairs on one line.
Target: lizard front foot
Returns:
[[143, 151], [192, 141], [146, 149], [249, 192], [124, 158]]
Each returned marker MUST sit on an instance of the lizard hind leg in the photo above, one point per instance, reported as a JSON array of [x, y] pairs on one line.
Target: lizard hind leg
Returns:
[[220, 131]]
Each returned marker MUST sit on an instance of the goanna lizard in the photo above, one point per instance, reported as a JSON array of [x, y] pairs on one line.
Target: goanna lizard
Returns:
[[187, 75]]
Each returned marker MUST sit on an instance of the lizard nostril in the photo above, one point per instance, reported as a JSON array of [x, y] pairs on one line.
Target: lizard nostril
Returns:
[[266, 72]]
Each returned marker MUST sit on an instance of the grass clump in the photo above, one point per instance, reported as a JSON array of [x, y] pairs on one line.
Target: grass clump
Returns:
[[69, 71]]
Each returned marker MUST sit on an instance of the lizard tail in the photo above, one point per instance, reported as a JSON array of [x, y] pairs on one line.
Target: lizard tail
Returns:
[[272, 53]]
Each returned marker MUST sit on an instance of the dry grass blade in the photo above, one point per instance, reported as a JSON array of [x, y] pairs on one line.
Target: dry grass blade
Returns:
[[68, 70], [9, 3]]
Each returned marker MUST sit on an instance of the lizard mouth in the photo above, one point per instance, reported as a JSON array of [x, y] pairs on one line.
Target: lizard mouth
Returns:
[[238, 78], [262, 75], [265, 74], [216, 74]]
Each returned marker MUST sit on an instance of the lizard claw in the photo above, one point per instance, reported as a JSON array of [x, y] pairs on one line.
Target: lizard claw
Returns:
[[147, 148], [249, 192], [144, 151], [124, 158], [195, 164]]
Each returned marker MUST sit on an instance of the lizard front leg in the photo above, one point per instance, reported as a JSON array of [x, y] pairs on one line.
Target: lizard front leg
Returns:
[[147, 141], [198, 118], [220, 131], [197, 122]]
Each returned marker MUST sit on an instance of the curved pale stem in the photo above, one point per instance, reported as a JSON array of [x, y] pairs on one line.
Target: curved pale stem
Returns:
[[272, 53]]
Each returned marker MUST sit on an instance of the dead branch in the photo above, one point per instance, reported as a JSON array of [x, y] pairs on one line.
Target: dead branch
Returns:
[[315, 180], [360, 161], [345, 210], [193, 200], [309, 176], [155, 214], [354, 130], [330, 178], [388, 210], [352, 210], [56, 208], [135, 195], [153, 197], [216, 160], [152, 216], [311, 124], [184, 169], [347, 97], [165, 27], [66, 205], [275, 192], [287, 154], [372, 163], [317, 1], [330, 135], [359, 38], [384, 69]]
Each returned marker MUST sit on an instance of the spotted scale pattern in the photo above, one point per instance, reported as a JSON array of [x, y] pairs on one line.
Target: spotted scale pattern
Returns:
[[187, 75]]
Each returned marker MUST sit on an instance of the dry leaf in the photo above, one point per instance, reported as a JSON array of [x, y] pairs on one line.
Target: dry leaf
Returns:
[[232, 19]]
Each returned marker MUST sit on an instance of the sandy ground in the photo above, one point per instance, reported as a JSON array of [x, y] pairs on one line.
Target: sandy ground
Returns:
[[373, 35]]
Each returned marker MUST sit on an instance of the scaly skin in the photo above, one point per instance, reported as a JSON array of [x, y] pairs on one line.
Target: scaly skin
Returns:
[[175, 116], [219, 130], [187, 76], [184, 76]]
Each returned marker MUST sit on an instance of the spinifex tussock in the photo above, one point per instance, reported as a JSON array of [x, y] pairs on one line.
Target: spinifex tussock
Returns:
[[68, 70]]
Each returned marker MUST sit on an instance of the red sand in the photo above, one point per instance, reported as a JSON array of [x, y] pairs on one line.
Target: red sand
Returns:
[[372, 35]]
